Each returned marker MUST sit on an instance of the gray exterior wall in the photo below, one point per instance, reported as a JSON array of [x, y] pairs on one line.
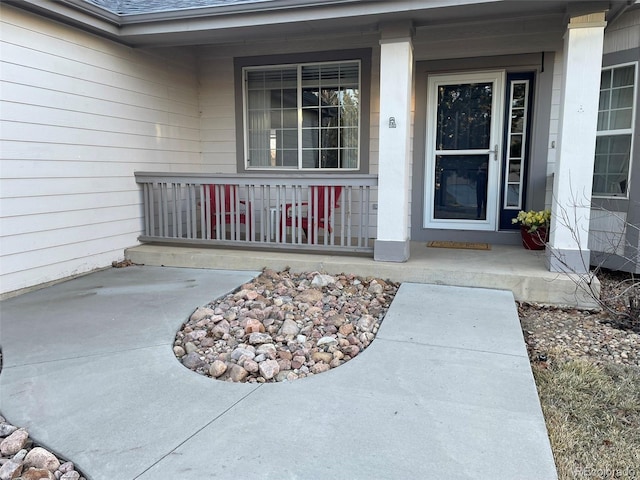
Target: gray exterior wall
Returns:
[[615, 222]]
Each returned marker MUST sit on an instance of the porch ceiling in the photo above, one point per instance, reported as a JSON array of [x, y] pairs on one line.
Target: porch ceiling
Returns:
[[244, 22]]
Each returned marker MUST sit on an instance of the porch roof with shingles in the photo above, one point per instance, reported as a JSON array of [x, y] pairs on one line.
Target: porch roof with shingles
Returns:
[[133, 7], [143, 23]]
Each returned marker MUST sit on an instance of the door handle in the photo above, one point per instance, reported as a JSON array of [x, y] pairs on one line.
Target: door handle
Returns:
[[494, 152]]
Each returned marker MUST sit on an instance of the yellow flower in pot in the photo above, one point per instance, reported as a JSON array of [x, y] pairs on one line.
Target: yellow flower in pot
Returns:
[[534, 227]]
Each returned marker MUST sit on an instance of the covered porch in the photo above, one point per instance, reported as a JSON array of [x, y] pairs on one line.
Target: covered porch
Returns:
[[506, 267], [324, 223]]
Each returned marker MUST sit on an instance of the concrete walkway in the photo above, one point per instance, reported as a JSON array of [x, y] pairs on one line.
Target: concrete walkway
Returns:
[[445, 390]]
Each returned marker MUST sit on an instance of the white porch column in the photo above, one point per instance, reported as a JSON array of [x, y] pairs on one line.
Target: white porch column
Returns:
[[567, 249], [396, 86]]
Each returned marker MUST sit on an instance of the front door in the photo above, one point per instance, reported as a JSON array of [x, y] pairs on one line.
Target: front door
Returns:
[[464, 125]]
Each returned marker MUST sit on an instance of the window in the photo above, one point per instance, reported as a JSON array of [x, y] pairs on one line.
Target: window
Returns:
[[303, 116], [615, 131], [517, 137]]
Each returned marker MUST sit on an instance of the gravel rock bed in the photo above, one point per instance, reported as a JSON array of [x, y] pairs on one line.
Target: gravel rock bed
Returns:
[[567, 333], [283, 326]]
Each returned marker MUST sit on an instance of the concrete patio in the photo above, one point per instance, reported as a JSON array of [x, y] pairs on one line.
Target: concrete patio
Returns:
[[444, 391]]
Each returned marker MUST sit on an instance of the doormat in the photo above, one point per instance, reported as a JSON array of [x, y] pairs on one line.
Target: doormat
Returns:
[[459, 245]]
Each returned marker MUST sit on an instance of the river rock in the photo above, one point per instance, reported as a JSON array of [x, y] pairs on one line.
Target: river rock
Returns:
[[322, 280], [309, 296], [250, 366], [178, 351], [266, 349], [285, 354], [327, 341], [268, 369], [66, 467], [192, 360], [320, 368], [325, 357], [346, 329], [254, 325], [10, 470], [19, 457], [195, 335], [366, 323], [14, 442], [221, 329], [7, 429], [258, 338], [73, 475], [237, 373], [37, 474], [38, 457], [242, 352], [289, 327], [217, 368], [200, 313], [297, 361]]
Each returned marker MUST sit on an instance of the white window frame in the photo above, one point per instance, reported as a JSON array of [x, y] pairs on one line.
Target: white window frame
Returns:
[[622, 131], [298, 67], [524, 146]]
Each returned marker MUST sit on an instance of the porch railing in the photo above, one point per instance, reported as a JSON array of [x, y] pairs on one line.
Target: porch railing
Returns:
[[307, 212]]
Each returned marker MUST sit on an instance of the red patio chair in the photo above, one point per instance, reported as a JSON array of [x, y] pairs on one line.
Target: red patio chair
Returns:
[[318, 214], [231, 211]]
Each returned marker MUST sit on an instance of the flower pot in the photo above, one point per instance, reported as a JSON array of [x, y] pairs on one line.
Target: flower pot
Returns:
[[534, 240]]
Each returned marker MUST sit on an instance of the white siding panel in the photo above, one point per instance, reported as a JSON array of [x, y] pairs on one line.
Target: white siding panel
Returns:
[[217, 99], [44, 222], [129, 158], [624, 33], [39, 115], [48, 272], [607, 231], [111, 65], [62, 169], [374, 114], [45, 187], [42, 240], [57, 135], [77, 257], [81, 97], [22, 207], [79, 114]]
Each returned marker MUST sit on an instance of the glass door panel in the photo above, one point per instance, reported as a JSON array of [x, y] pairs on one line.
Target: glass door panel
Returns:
[[464, 116], [461, 187]]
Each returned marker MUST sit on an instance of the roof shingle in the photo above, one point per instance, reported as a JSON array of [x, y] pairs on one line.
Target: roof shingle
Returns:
[[132, 7]]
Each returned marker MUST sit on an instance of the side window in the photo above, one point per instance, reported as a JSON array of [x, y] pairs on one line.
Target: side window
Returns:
[[616, 116]]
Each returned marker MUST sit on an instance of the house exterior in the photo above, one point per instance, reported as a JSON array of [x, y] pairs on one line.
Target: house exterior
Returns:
[[451, 116]]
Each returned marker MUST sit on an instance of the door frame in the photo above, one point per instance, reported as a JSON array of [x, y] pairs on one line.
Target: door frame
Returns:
[[490, 223], [507, 213]]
